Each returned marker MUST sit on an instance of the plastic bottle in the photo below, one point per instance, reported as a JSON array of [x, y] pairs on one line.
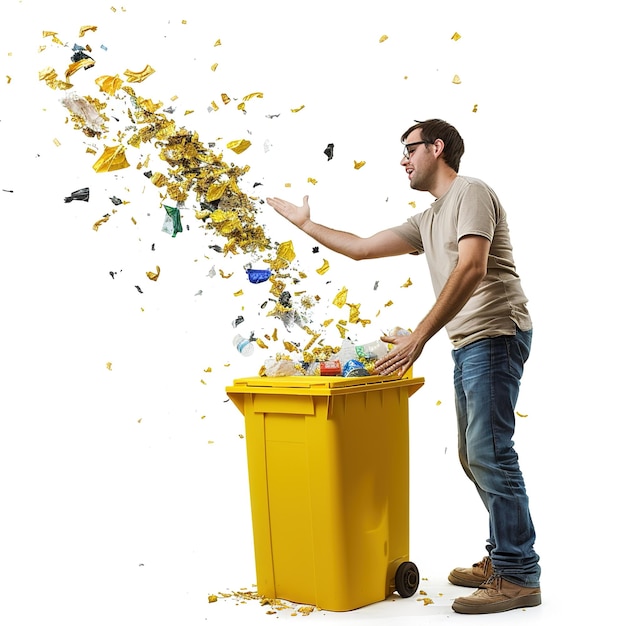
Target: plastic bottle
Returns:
[[372, 351], [245, 346]]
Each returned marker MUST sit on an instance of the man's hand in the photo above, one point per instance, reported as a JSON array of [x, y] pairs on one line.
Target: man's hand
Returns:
[[406, 350], [297, 215]]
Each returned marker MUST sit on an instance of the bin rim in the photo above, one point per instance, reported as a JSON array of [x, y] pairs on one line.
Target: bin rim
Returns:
[[320, 385]]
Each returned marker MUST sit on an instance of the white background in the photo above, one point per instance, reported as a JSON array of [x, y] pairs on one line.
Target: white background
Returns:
[[123, 493]]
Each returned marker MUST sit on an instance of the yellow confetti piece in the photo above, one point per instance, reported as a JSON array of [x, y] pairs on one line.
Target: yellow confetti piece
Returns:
[[285, 252], [238, 145], [8, 79], [358, 165], [475, 108], [109, 84], [100, 222], [383, 38], [109, 365], [340, 299], [521, 414], [154, 275], [456, 37], [113, 158], [287, 184], [254, 94], [56, 142], [298, 109], [325, 267], [389, 303], [217, 43], [238, 293], [261, 343], [438, 403], [85, 29], [313, 181], [212, 598], [213, 67], [74, 67], [208, 369], [202, 381], [456, 80], [139, 77], [407, 284], [53, 35], [225, 98]]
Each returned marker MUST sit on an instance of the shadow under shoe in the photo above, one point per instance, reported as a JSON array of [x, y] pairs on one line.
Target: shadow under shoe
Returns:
[[497, 595]]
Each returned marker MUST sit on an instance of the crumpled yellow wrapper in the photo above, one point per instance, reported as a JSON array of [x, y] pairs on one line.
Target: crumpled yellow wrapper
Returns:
[[109, 84], [154, 275], [340, 299], [85, 29], [113, 158], [325, 267], [74, 67], [139, 77], [238, 145]]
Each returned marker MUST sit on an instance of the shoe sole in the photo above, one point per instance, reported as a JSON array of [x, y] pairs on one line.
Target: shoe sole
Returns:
[[522, 602]]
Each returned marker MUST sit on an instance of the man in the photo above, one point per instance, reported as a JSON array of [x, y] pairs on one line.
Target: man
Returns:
[[480, 301]]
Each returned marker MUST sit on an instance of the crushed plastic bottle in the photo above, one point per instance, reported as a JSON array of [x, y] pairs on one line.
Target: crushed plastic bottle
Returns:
[[243, 345]]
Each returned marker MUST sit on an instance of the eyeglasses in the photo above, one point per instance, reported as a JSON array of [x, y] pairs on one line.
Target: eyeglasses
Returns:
[[407, 148]]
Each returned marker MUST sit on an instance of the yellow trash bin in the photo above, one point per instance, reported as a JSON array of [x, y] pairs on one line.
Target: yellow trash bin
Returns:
[[328, 465]]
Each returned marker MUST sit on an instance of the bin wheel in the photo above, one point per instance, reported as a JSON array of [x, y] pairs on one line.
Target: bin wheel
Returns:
[[407, 579]]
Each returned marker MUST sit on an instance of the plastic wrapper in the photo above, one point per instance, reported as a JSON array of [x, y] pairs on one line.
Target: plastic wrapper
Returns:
[[282, 367]]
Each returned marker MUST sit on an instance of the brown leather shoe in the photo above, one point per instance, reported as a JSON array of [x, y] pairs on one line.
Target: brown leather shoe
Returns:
[[498, 595], [473, 576]]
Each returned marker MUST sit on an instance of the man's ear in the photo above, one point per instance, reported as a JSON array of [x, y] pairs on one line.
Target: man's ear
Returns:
[[438, 147]]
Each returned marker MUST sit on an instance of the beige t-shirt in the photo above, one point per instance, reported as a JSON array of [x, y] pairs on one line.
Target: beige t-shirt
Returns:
[[470, 207]]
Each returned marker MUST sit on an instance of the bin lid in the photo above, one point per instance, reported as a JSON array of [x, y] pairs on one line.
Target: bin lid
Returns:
[[319, 385]]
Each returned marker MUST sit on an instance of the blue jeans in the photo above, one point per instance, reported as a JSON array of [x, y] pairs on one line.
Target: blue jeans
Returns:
[[487, 376]]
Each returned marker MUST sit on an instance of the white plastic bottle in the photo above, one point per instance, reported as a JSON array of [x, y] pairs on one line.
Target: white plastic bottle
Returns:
[[243, 345]]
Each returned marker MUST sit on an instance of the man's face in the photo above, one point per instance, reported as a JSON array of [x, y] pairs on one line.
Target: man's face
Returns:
[[418, 161]]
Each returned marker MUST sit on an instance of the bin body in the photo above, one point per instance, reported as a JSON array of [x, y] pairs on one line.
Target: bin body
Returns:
[[328, 466]]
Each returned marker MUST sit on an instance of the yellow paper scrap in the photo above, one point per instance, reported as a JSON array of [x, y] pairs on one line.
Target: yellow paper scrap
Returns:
[[353, 318], [254, 94], [109, 365], [456, 80], [285, 252], [383, 38], [85, 29], [407, 284], [8, 79], [521, 414], [475, 108], [113, 158], [217, 43], [100, 222], [340, 299], [358, 165], [109, 84], [389, 303], [74, 67], [238, 293], [456, 37], [139, 77], [213, 67], [154, 275], [238, 145], [325, 267], [225, 98], [313, 181], [49, 33], [298, 109]]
